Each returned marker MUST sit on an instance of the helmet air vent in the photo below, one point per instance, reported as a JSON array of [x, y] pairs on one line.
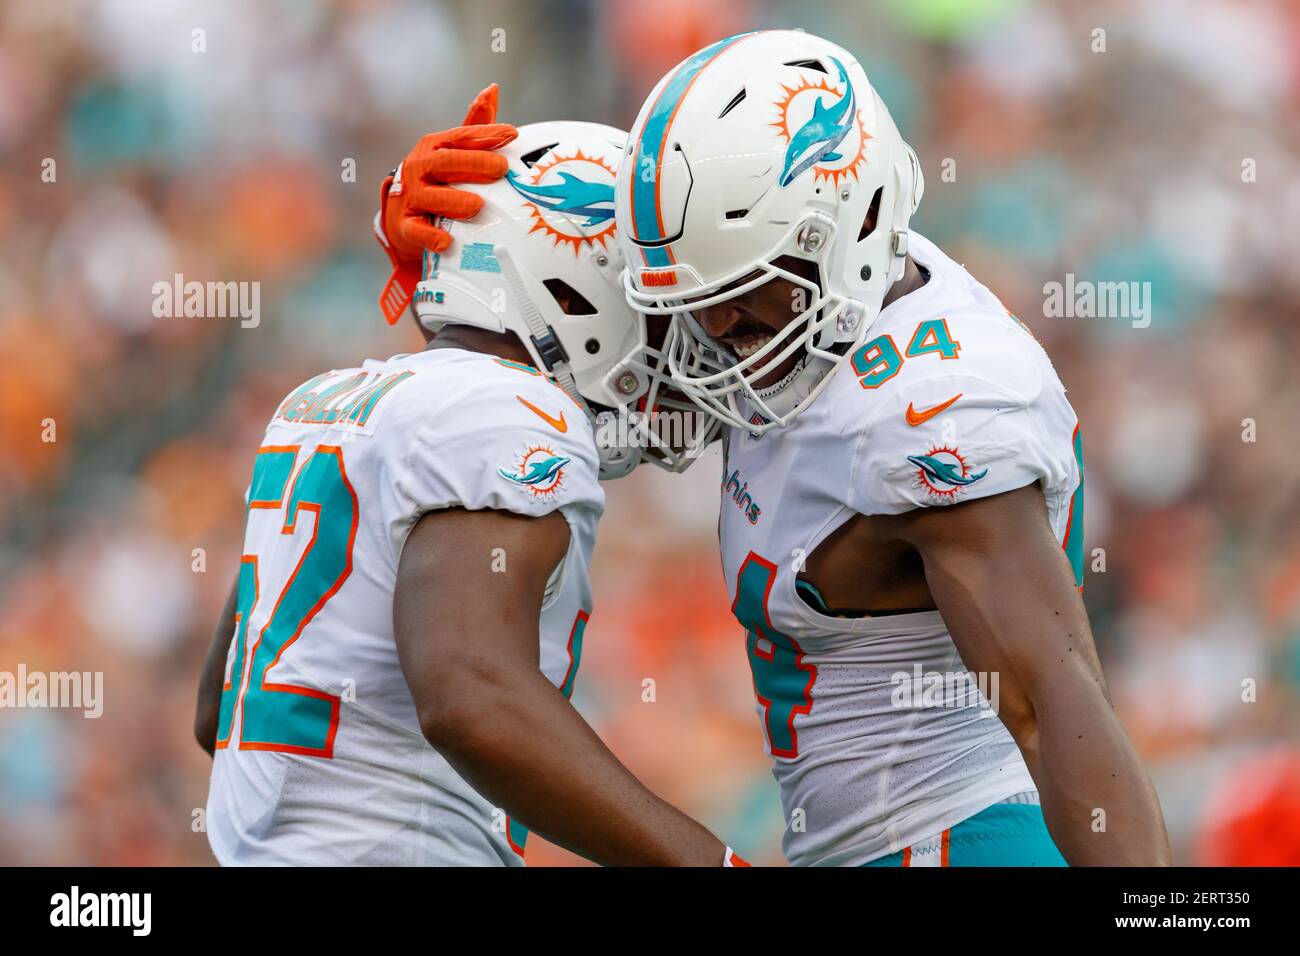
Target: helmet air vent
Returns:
[[869, 223], [809, 65], [569, 299], [735, 101], [530, 159]]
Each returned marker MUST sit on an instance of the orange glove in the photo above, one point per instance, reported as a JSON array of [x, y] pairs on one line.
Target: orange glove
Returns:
[[417, 193], [732, 858]]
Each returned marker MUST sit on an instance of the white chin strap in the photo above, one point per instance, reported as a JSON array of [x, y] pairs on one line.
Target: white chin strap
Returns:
[[615, 462], [538, 330]]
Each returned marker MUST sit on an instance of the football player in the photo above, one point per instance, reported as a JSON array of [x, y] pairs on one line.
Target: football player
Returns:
[[902, 497], [390, 680]]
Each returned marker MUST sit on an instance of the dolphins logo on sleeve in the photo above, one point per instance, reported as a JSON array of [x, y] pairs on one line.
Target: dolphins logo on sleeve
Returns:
[[943, 472], [539, 471]]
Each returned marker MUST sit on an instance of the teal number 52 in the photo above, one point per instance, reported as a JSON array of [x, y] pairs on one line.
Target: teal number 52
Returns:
[[286, 717]]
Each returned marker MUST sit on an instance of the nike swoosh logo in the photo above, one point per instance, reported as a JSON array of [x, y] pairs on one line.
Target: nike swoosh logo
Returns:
[[920, 418], [559, 424]]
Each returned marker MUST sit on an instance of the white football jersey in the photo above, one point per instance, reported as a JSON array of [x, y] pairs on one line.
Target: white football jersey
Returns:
[[877, 738], [321, 758]]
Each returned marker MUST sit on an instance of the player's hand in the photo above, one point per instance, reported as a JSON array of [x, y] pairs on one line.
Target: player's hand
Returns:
[[420, 190]]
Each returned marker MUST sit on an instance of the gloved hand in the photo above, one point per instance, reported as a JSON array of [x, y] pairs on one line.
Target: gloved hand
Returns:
[[419, 191]]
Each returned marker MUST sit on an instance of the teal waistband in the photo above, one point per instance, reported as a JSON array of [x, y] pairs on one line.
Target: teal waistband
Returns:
[[1005, 834]]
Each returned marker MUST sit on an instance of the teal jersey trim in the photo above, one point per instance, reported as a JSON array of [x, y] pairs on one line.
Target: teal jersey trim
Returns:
[[1074, 529]]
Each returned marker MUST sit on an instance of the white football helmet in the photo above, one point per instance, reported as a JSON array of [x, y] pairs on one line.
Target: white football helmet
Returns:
[[541, 260], [764, 145]]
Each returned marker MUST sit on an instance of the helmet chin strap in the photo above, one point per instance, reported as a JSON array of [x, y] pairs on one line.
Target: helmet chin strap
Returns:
[[544, 342], [613, 464]]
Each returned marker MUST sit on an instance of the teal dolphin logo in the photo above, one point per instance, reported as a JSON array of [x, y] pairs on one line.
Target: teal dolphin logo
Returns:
[[817, 140], [571, 195], [944, 471], [538, 473]]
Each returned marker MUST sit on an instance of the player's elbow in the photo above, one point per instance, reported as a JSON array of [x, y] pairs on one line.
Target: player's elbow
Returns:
[[447, 724], [462, 705], [1046, 699], [1020, 717]]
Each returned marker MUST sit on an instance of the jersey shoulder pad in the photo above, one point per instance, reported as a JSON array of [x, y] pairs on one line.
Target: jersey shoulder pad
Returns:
[[987, 415], [501, 436]]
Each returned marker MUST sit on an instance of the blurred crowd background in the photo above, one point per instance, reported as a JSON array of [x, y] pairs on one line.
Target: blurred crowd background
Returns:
[[1171, 155]]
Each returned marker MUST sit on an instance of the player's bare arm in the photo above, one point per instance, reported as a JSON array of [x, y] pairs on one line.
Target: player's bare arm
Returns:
[[208, 709], [1006, 591], [467, 640]]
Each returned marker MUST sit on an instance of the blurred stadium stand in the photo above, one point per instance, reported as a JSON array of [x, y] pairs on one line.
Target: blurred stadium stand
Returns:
[[1119, 165]]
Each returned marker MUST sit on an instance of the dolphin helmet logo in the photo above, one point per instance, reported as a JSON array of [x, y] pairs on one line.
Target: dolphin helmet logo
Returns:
[[570, 198], [944, 472], [571, 195], [818, 141]]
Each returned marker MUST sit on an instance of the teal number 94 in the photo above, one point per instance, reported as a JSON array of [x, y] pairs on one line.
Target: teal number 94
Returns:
[[782, 680], [878, 360]]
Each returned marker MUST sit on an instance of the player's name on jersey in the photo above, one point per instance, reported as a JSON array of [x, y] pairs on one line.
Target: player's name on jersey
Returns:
[[334, 398]]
